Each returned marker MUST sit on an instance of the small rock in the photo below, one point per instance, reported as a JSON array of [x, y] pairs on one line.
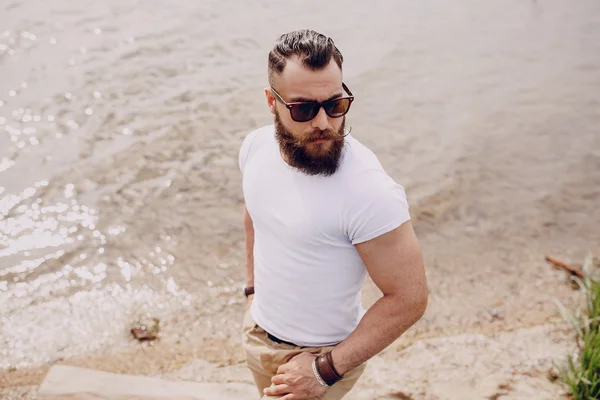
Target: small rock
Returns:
[[400, 395], [552, 375], [496, 315], [146, 330]]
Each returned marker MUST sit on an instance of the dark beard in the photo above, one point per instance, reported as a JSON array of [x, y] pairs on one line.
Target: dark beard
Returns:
[[325, 162]]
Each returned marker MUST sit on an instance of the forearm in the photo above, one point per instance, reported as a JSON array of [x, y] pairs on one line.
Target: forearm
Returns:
[[249, 239], [382, 324]]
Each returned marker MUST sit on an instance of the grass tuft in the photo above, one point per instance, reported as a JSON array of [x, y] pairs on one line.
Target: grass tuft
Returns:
[[581, 372]]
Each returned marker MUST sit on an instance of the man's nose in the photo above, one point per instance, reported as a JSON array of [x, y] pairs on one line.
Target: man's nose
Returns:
[[320, 121]]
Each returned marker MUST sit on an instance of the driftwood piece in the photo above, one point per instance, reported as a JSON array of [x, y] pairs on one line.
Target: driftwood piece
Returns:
[[565, 266]]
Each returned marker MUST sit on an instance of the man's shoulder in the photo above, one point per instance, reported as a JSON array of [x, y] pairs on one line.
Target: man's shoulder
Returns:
[[373, 203], [359, 160], [362, 172], [253, 141], [262, 134]]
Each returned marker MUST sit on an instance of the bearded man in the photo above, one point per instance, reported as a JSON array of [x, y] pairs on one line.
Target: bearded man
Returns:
[[321, 213]]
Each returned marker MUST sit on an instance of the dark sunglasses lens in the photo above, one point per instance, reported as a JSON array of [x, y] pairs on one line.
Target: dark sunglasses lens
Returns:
[[337, 108], [304, 112]]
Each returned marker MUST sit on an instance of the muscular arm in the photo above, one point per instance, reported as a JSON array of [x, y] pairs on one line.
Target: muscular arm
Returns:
[[249, 238], [395, 264]]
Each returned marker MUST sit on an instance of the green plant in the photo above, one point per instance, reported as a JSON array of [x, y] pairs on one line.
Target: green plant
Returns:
[[582, 371]]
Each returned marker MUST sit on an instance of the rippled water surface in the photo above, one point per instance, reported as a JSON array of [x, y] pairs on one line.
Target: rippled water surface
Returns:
[[120, 123]]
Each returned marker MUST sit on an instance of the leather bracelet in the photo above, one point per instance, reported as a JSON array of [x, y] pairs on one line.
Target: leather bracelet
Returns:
[[326, 370], [248, 291], [330, 359]]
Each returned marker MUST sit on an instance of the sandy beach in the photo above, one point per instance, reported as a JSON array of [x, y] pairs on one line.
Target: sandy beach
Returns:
[[120, 194]]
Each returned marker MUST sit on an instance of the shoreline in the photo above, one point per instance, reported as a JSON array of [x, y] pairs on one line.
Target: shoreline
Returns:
[[503, 361], [204, 359]]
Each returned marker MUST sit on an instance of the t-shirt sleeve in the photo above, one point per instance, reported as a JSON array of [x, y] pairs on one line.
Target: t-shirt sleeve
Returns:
[[378, 206], [245, 149]]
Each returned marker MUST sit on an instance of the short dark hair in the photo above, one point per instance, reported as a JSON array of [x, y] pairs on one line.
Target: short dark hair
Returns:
[[314, 49]]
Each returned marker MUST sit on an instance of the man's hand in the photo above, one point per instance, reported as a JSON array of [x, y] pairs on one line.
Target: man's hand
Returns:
[[249, 301], [296, 380]]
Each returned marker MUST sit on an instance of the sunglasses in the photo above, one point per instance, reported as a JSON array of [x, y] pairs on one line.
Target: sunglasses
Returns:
[[304, 111]]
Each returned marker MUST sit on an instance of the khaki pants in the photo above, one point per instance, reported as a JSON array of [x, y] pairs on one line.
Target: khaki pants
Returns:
[[264, 356]]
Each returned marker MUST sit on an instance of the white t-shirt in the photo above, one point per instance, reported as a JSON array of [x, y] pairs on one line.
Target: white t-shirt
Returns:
[[307, 273]]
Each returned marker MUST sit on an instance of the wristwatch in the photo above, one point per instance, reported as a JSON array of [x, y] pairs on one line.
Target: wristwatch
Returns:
[[248, 291]]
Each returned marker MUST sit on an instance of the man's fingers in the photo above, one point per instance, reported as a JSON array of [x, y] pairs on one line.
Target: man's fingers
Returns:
[[282, 369], [277, 390], [278, 379], [290, 396]]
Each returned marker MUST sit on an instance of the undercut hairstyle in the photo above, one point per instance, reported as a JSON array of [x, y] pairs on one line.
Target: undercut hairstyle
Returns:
[[314, 50]]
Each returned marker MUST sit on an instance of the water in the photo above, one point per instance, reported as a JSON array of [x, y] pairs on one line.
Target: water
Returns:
[[120, 123]]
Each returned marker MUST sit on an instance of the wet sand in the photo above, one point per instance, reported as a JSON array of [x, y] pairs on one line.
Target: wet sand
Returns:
[[120, 193]]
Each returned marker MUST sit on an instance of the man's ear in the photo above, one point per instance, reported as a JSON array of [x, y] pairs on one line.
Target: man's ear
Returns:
[[270, 100]]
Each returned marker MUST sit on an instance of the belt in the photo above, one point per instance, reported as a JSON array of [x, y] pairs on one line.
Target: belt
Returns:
[[280, 341], [277, 340]]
